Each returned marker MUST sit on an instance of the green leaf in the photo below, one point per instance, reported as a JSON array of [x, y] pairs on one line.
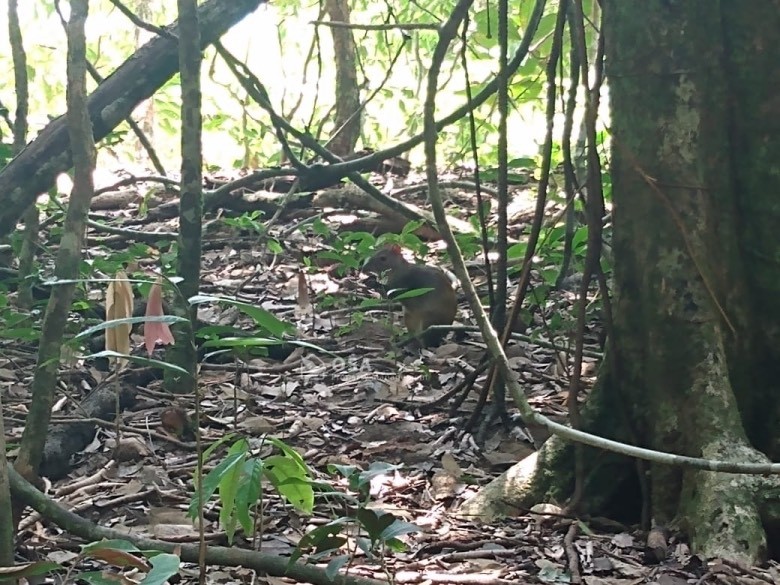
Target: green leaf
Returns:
[[290, 481], [408, 294], [399, 528], [261, 317], [395, 545], [322, 539], [164, 566], [228, 487], [214, 477], [214, 446], [291, 453], [412, 227], [170, 319], [516, 251], [117, 544], [335, 565], [374, 522], [249, 492], [365, 545], [346, 471], [378, 468]]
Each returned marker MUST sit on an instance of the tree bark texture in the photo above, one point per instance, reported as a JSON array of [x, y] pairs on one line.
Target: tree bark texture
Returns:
[[347, 120], [183, 352], [31, 221], [695, 140], [7, 527], [69, 253], [750, 38], [35, 169], [685, 322]]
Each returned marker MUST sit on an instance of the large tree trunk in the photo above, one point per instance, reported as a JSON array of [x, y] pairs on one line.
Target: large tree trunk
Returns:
[[691, 364], [36, 168], [693, 92]]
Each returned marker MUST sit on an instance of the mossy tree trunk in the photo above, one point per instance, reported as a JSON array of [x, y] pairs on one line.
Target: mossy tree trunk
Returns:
[[692, 358], [695, 144]]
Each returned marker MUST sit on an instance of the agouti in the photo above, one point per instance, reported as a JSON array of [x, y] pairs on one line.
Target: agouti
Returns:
[[435, 307]]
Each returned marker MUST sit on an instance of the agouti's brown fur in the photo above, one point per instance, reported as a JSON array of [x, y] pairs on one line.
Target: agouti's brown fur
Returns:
[[435, 307]]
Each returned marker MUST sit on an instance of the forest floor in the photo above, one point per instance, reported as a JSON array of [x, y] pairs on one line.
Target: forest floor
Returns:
[[365, 403]]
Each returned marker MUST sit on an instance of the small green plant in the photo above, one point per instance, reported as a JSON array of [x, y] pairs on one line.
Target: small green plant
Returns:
[[17, 325], [378, 531], [268, 330], [251, 222], [238, 482], [350, 250]]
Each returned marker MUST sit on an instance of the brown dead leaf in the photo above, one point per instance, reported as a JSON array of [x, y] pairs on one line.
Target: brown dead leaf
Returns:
[[451, 466], [131, 487], [164, 515], [119, 305], [131, 449], [118, 558], [448, 350], [303, 292], [257, 425], [167, 531]]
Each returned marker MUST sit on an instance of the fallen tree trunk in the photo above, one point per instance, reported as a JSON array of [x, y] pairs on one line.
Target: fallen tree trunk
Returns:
[[36, 168]]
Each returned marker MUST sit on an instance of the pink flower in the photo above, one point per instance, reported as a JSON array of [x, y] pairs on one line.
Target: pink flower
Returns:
[[156, 332]]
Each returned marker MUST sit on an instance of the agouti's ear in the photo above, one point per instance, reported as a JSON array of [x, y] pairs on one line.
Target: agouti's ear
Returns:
[[395, 249]]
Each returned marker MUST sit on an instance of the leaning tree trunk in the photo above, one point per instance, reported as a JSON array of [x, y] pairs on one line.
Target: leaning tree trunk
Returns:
[[695, 143]]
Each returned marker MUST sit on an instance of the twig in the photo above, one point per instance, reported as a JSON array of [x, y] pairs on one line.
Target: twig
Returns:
[[141, 23], [379, 27]]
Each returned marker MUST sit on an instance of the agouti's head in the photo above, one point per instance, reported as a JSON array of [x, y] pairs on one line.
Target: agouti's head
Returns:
[[387, 258]]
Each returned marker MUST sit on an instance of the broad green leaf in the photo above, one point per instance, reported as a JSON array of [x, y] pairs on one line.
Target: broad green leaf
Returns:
[[249, 492], [335, 565], [399, 528], [280, 470], [263, 318], [212, 480], [164, 566]]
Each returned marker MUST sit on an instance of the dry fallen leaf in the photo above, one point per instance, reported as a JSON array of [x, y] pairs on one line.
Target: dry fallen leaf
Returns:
[[119, 305], [451, 466]]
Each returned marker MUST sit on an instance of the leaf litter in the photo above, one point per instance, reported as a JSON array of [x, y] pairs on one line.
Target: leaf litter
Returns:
[[364, 402]]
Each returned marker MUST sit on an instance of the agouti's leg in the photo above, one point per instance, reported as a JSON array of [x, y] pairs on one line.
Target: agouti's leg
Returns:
[[416, 327], [413, 322]]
